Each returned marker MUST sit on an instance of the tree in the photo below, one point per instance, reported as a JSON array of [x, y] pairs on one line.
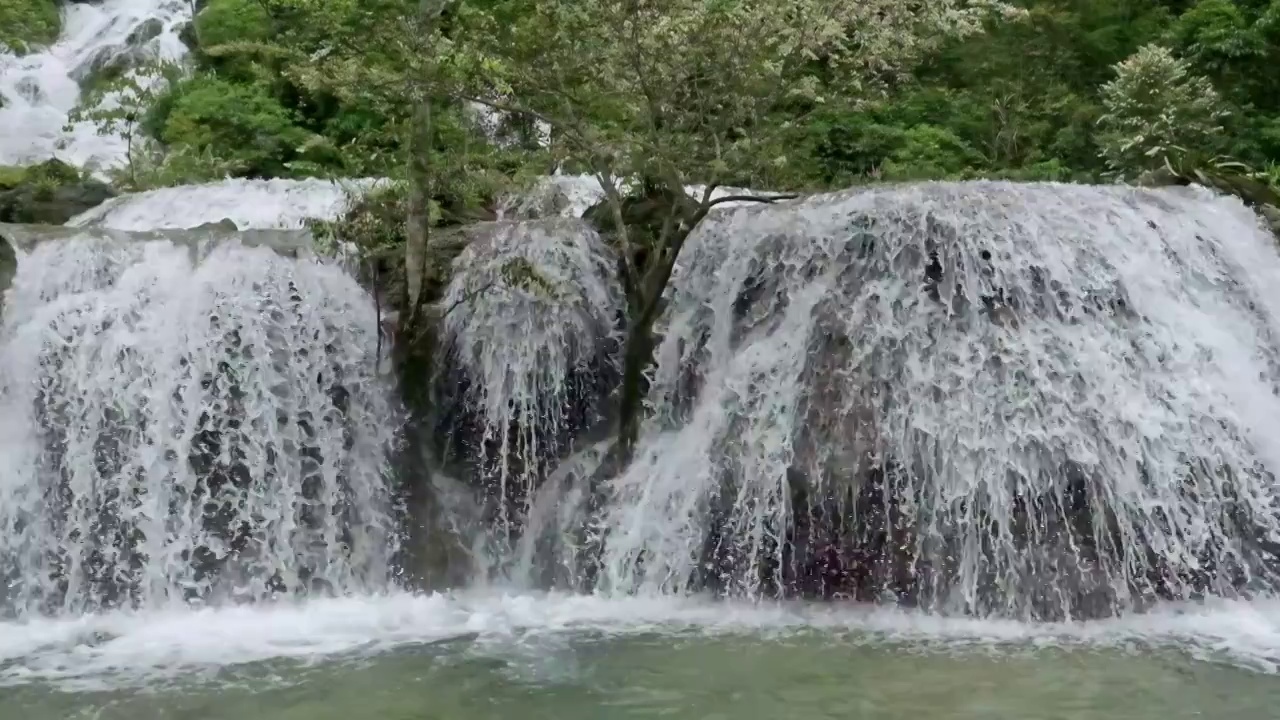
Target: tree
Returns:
[[672, 92], [1157, 112], [117, 105]]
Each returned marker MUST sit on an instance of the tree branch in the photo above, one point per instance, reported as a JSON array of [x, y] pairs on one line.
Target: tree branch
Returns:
[[751, 198], [468, 296]]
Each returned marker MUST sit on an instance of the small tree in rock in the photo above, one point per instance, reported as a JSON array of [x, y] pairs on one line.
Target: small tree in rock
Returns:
[[1157, 112]]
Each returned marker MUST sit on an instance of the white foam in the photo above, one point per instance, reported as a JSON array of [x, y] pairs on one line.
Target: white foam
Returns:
[[130, 649]]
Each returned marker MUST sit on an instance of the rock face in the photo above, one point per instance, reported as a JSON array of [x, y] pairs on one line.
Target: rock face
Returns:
[[50, 194]]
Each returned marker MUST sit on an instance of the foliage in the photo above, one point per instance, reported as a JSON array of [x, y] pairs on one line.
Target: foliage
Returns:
[[1155, 109], [25, 24], [337, 79], [689, 88], [210, 113]]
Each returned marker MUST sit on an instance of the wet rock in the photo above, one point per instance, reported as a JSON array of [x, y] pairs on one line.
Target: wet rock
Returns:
[[108, 64], [29, 89], [187, 34], [8, 268], [145, 32]]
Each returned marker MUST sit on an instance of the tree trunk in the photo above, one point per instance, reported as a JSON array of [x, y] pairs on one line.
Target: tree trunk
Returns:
[[637, 353], [418, 222]]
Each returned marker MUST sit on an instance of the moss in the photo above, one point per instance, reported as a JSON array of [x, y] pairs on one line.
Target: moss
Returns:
[[49, 193], [11, 177], [27, 24]]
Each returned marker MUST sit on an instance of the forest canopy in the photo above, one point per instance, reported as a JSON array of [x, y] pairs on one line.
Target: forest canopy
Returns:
[[1052, 91]]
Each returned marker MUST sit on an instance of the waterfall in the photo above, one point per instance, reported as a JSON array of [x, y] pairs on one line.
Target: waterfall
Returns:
[[39, 90], [529, 335], [188, 421], [984, 398]]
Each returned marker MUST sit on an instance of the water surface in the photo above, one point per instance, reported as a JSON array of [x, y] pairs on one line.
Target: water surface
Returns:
[[473, 657]]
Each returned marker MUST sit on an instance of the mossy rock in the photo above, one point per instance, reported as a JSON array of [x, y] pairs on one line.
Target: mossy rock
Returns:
[[50, 193], [11, 176]]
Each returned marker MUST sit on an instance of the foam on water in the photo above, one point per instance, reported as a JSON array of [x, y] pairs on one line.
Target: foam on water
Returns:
[[123, 649], [41, 88]]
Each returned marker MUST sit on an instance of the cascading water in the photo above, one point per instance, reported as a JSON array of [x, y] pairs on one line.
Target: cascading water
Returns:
[[277, 203], [985, 398], [188, 421], [529, 329], [39, 90]]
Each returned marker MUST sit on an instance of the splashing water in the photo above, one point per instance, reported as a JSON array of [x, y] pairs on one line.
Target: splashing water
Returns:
[[530, 324], [40, 89], [984, 398], [185, 423]]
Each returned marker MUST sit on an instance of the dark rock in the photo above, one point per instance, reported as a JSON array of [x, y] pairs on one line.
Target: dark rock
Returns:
[[108, 64], [51, 193], [8, 268], [145, 32], [187, 34], [223, 224], [29, 89]]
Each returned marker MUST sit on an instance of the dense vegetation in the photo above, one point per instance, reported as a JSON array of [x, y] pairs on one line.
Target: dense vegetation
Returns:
[[27, 23], [1026, 99]]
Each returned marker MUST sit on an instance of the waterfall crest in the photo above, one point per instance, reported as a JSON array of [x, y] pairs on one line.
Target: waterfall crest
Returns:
[[185, 422]]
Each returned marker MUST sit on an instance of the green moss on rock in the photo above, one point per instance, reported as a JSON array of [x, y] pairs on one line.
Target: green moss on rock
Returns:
[[28, 24], [50, 193]]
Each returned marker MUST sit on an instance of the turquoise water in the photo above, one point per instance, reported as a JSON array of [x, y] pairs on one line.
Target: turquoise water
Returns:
[[571, 658]]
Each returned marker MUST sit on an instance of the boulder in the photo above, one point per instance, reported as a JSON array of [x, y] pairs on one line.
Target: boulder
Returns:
[[146, 31], [50, 193]]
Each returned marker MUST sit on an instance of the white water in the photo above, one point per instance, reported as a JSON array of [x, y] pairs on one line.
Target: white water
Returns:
[[1072, 447], [1199, 351], [120, 649], [267, 204], [178, 429], [39, 90], [530, 320]]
